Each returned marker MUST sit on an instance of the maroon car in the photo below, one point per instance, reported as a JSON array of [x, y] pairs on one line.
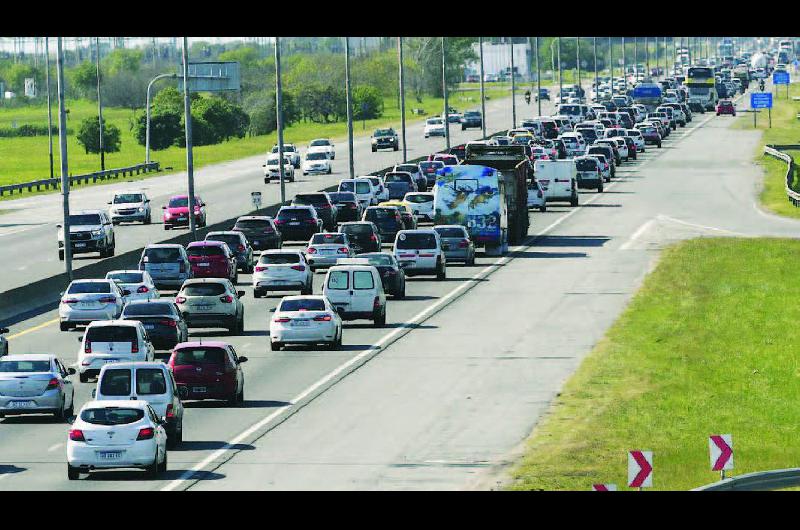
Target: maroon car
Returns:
[[212, 259], [208, 370], [725, 106]]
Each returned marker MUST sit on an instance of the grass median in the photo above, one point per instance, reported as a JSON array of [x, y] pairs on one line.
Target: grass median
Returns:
[[707, 346], [785, 130]]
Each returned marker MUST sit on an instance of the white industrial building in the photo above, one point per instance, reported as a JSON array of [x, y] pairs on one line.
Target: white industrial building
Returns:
[[497, 58]]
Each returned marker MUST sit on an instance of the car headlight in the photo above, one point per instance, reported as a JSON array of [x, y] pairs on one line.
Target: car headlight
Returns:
[[97, 233], [141, 209]]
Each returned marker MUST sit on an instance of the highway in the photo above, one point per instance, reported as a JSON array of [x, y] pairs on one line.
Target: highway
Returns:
[[443, 396]]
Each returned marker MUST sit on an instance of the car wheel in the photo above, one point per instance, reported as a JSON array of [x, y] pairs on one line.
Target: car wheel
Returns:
[[59, 415], [152, 470], [306, 290], [441, 273], [162, 467], [73, 473], [64, 326], [330, 170], [240, 326], [275, 346], [600, 188], [179, 434], [70, 412], [113, 249], [257, 293], [574, 201], [83, 378], [149, 219], [61, 255], [380, 319], [373, 149], [166, 227]]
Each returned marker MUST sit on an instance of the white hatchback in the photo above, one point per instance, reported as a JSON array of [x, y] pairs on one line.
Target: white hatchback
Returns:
[[282, 270], [85, 301], [112, 341], [420, 252], [139, 283], [421, 203], [305, 320]]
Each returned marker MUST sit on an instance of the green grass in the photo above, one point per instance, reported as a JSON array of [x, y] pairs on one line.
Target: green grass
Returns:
[[26, 159], [707, 346], [785, 130]]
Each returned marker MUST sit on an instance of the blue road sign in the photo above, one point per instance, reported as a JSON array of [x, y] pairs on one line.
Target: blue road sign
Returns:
[[780, 78], [760, 100]]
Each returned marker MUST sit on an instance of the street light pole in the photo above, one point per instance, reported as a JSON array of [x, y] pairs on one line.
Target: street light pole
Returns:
[[446, 106], [62, 143], [348, 88], [49, 106], [403, 97], [483, 98], [100, 107], [513, 90], [147, 115], [187, 109], [538, 80], [624, 65], [279, 118], [636, 59], [611, 64], [578, 58], [596, 80], [560, 71]]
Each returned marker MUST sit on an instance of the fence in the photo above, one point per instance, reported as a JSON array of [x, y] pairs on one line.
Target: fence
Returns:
[[775, 151], [55, 183], [760, 481]]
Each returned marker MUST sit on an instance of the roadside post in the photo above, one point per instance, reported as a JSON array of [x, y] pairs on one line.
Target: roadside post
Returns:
[[640, 469], [604, 487], [720, 447], [760, 100], [255, 196]]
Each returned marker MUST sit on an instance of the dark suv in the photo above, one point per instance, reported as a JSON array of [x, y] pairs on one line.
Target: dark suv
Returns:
[[385, 139], [363, 236], [260, 231], [322, 203], [298, 223], [472, 120], [347, 206], [387, 219]]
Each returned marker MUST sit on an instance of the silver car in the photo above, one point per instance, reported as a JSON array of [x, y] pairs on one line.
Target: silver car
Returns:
[[324, 249], [129, 206], [85, 301], [456, 243], [35, 384]]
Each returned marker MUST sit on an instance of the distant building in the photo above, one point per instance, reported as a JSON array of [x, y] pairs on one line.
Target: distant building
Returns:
[[497, 59]]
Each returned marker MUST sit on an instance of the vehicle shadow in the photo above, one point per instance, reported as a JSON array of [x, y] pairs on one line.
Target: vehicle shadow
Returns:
[[390, 326], [208, 445], [571, 241], [33, 419], [10, 469], [247, 404], [170, 474], [529, 254], [597, 205], [416, 298]]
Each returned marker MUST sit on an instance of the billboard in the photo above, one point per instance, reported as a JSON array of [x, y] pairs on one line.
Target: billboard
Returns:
[[212, 76]]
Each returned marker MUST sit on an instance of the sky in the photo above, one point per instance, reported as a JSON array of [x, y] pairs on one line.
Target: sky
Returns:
[[29, 46]]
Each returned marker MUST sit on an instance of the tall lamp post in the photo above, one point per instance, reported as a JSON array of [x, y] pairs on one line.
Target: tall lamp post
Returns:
[[349, 106], [578, 59], [513, 89], [446, 106], [147, 114], [538, 80], [403, 97], [62, 143], [560, 71], [596, 80], [187, 109], [611, 64], [483, 97]]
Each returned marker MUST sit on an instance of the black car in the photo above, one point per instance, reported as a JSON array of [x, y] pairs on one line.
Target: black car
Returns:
[[399, 183], [544, 94], [589, 133], [363, 236], [561, 147], [472, 120], [609, 105], [322, 204], [162, 320], [298, 223], [392, 276], [239, 246], [385, 139], [387, 219], [627, 121], [606, 151], [347, 206], [260, 231]]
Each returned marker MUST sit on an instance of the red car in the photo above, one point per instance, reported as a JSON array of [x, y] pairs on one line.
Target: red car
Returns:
[[212, 259], [208, 370], [176, 212], [449, 160], [725, 106]]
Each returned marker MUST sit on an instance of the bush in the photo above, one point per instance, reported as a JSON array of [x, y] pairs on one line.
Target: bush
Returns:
[[367, 103], [28, 130], [263, 119], [165, 129], [89, 136]]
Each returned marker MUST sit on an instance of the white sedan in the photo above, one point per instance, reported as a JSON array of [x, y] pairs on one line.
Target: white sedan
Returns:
[[434, 127], [305, 319], [116, 434], [316, 162], [323, 145]]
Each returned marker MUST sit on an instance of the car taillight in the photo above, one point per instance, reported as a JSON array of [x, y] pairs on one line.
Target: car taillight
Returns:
[[280, 319], [279, 221], [146, 434], [299, 268], [342, 250], [76, 435], [107, 300], [170, 413], [311, 250], [69, 301], [465, 244], [180, 300], [326, 206], [372, 237], [322, 318], [376, 303], [169, 323], [182, 268], [261, 268], [226, 298], [142, 289], [52, 384], [240, 248], [268, 230], [134, 347], [87, 347], [311, 221], [427, 255]]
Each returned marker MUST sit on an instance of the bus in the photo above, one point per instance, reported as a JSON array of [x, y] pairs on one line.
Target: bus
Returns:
[[702, 92]]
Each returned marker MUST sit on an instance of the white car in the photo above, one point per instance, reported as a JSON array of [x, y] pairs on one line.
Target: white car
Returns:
[[419, 252], [421, 203], [324, 249], [323, 145], [282, 270], [416, 173], [434, 127], [85, 301], [317, 162], [363, 189], [536, 198], [380, 191], [356, 292], [112, 341], [130, 206], [292, 151], [305, 320], [638, 139], [139, 283], [116, 434], [272, 168], [622, 147], [574, 142]]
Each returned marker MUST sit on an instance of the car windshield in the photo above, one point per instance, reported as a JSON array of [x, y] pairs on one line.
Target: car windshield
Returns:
[[416, 240], [162, 254], [319, 142], [126, 277], [24, 366], [434, 121], [232, 240], [148, 309], [205, 250], [316, 156], [182, 202], [127, 197], [85, 219], [89, 287], [111, 334], [411, 168], [585, 164], [290, 258], [203, 289], [377, 260], [199, 355], [419, 198], [383, 132], [394, 177], [150, 382], [112, 416], [328, 239], [451, 232], [286, 149], [340, 197], [302, 304]]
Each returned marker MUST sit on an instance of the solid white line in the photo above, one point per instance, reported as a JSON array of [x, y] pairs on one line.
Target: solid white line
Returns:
[[54, 447], [704, 227], [635, 236], [5, 475]]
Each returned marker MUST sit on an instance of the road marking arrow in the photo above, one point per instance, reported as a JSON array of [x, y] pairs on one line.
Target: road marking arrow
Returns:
[[721, 447], [640, 469]]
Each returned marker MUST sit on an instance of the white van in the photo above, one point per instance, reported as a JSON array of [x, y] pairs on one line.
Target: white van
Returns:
[[559, 180], [147, 381], [362, 188], [112, 341], [420, 252], [356, 292]]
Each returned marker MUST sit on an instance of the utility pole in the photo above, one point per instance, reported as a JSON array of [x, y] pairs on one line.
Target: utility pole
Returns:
[[578, 58], [100, 107], [636, 59], [349, 106], [446, 106], [647, 56], [560, 71], [279, 120], [49, 105], [187, 109], [596, 81], [624, 65], [513, 89], [611, 64], [538, 79], [403, 96], [62, 142], [483, 97]]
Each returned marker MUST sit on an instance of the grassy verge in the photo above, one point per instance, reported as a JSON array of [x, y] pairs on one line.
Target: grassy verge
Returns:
[[707, 346], [26, 159], [785, 130]]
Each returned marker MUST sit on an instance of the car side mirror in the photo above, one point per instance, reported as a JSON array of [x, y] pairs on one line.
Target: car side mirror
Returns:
[[162, 420], [242, 359], [70, 371], [147, 200], [183, 392], [240, 293], [3, 330]]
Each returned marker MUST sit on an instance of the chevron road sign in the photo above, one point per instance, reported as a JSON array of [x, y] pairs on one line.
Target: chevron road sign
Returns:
[[640, 469], [721, 447]]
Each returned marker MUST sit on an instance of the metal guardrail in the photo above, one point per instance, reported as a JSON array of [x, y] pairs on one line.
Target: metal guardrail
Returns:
[[759, 481], [55, 183], [775, 151]]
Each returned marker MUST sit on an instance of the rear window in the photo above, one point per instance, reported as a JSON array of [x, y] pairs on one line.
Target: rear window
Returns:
[[381, 213], [363, 280], [416, 240], [24, 366], [295, 213], [357, 229], [111, 334], [186, 356], [332, 239], [116, 382], [232, 240], [302, 304], [252, 224], [394, 177], [150, 308], [338, 280], [203, 289], [343, 197], [150, 382], [377, 260], [584, 164], [126, 277], [89, 287], [419, 199], [209, 250], [311, 199], [162, 255], [411, 168], [279, 259], [112, 416], [347, 186], [451, 232]]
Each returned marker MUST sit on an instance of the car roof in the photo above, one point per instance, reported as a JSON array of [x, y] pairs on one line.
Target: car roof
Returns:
[[120, 403], [164, 300], [163, 245], [204, 280], [206, 243], [448, 226], [353, 267], [81, 212], [29, 357], [281, 251], [198, 343], [124, 270], [92, 280], [304, 297], [225, 232], [107, 323], [254, 218], [418, 231], [121, 192], [136, 364]]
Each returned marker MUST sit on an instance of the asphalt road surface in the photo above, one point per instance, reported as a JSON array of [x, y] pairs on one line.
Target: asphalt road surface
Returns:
[[443, 396]]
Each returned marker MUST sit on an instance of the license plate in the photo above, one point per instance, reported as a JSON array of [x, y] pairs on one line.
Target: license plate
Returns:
[[300, 323], [327, 251], [203, 265], [254, 242], [111, 361], [149, 326], [86, 305], [295, 224], [20, 404], [199, 389], [181, 218], [80, 245], [109, 455], [202, 307]]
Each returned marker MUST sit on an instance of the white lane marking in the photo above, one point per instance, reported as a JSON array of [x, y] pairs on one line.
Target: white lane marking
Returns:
[[635, 236], [54, 447], [704, 227], [19, 231]]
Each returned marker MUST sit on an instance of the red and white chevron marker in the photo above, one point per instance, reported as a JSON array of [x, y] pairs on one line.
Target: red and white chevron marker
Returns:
[[721, 447], [640, 469], [604, 487]]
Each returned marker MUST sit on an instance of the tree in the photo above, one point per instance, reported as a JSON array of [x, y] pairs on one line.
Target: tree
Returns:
[[170, 101], [367, 103], [84, 77], [225, 119], [123, 60], [322, 104], [165, 129], [125, 89], [89, 136], [17, 73]]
